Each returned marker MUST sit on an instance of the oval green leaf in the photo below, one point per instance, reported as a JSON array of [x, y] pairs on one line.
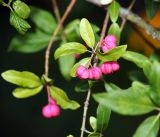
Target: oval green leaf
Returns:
[[62, 99], [134, 57], [127, 102], [152, 8], [82, 86], [103, 117], [94, 135], [30, 43], [113, 10], [43, 19], [110, 87], [66, 63], [148, 128], [24, 79], [26, 92], [113, 54], [70, 48], [93, 123], [83, 62], [87, 33]]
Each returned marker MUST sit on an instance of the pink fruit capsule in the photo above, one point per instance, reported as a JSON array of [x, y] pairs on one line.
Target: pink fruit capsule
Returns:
[[106, 68], [82, 72], [108, 43], [110, 67], [95, 73], [110, 38], [115, 66], [50, 111]]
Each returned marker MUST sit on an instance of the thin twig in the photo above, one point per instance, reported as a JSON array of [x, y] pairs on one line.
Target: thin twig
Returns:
[[103, 32], [86, 104], [56, 10], [47, 53], [105, 24], [129, 9]]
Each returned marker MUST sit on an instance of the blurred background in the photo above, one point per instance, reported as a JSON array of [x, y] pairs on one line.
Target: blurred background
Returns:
[[22, 118]]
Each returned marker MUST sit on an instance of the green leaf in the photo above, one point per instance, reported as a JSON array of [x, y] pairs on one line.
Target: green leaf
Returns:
[[114, 29], [140, 87], [110, 87], [87, 33], [70, 136], [82, 62], [21, 8], [62, 99], [147, 68], [103, 116], [82, 86], [134, 57], [26, 92], [126, 102], [113, 54], [94, 135], [137, 75], [113, 10], [154, 76], [152, 71], [93, 123], [95, 28], [70, 48], [66, 63], [29, 43], [72, 26], [24, 79], [43, 19], [46, 80], [18, 23], [151, 8], [148, 128]]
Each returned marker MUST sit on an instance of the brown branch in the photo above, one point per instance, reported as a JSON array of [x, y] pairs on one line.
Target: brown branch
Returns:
[[56, 10], [134, 18], [86, 104], [47, 53], [104, 28], [129, 9]]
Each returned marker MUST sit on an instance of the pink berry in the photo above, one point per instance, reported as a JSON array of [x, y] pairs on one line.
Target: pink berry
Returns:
[[108, 43], [50, 111], [111, 38], [105, 48], [115, 66], [106, 68], [109, 67], [95, 73], [82, 72], [90, 73]]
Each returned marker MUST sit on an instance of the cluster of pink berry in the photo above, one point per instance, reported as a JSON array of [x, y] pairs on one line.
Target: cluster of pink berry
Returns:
[[51, 109], [106, 68]]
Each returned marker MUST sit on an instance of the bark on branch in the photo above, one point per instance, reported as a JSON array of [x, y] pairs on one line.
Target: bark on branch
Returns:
[[134, 18]]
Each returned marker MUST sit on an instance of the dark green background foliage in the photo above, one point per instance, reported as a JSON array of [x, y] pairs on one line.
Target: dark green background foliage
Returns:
[[22, 118]]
